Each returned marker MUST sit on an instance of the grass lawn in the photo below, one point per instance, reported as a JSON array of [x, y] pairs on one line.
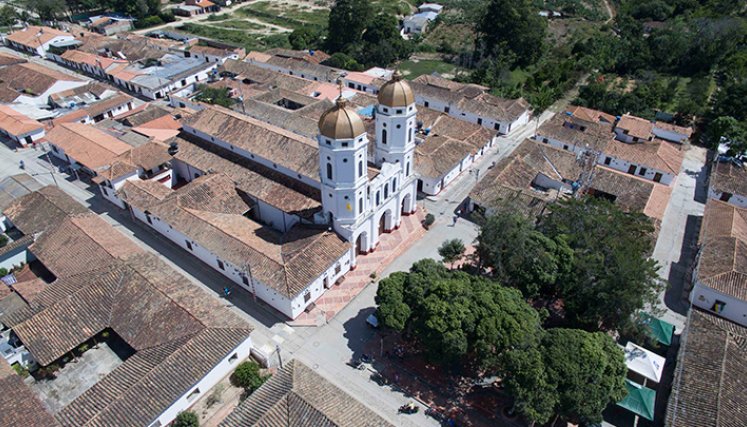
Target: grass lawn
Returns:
[[395, 7], [237, 37], [288, 16], [412, 69], [241, 24]]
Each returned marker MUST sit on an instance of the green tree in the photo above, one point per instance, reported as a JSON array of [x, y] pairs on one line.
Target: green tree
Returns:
[[347, 21], [187, 419], [588, 370], [344, 61], [728, 130], [8, 16], [514, 26], [452, 250], [48, 10], [247, 376], [612, 275], [306, 38], [455, 314], [521, 256], [215, 95], [381, 42], [527, 381]]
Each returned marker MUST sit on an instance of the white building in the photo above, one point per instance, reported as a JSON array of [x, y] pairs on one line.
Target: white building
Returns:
[[36, 40], [19, 127], [720, 275], [729, 182]]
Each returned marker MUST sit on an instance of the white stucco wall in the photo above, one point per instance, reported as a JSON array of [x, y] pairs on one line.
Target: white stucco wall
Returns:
[[15, 257], [737, 200], [21, 139], [42, 99], [220, 371], [705, 297]]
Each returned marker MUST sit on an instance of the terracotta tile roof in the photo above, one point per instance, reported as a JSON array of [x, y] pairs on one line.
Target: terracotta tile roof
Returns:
[[34, 36], [296, 396], [270, 186], [721, 219], [178, 331], [19, 405], [722, 266], [568, 130], [105, 105], [658, 154], [277, 145], [632, 194], [41, 210], [438, 155], [160, 129], [16, 123], [636, 126], [687, 131], [15, 186], [728, 177], [29, 289], [7, 59], [591, 115], [89, 146], [211, 212], [87, 242], [519, 170], [257, 56], [214, 51], [709, 384], [29, 79], [71, 117], [148, 156], [316, 57]]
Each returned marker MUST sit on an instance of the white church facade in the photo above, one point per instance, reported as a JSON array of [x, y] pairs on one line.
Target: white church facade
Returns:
[[363, 202]]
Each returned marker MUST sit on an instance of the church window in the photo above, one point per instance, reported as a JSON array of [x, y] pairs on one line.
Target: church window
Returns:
[[329, 171], [383, 124], [386, 191], [383, 136], [344, 160], [407, 169], [409, 137], [386, 110], [394, 184], [360, 205], [344, 144], [399, 111], [399, 126], [378, 198], [360, 169]]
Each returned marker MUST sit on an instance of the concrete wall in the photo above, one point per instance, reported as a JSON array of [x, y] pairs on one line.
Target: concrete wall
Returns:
[[15, 257], [735, 199], [203, 387], [705, 297]]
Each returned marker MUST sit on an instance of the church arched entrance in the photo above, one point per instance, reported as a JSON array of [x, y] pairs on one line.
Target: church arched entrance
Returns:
[[361, 243], [407, 204], [385, 222]]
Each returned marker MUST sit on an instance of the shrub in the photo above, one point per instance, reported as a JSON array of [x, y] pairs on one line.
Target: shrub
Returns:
[[429, 220], [150, 21], [20, 370], [247, 376], [3, 240], [187, 419], [3, 272]]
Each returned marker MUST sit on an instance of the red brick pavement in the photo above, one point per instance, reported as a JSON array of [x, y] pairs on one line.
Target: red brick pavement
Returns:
[[391, 245]]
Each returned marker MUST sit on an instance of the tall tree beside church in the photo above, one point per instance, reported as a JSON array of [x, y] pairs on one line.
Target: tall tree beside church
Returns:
[[511, 27], [612, 275], [347, 21]]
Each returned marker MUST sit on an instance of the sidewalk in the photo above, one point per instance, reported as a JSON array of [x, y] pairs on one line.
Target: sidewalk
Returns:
[[391, 245]]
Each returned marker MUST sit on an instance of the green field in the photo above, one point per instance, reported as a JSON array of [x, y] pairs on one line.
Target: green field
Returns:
[[288, 16], [237, 37], [413, 69]]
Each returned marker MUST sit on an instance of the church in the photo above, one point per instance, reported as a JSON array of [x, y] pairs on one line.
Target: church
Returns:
[[281, 215], [363, 201]]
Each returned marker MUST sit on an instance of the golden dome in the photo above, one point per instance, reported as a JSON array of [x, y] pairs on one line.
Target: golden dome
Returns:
[[396, 92], [341, 122]]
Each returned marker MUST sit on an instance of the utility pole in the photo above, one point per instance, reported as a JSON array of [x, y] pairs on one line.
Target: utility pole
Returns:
[[51, 170], [280, 359]]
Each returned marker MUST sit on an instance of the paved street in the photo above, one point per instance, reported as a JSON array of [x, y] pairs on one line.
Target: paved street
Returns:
[[676, 246]]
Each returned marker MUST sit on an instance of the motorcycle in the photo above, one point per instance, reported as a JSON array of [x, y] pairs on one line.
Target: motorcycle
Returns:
[[379, 379], [436, 414], [409, 408]]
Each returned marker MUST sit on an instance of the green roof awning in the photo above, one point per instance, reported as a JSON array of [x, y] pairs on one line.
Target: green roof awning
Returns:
[[640, 400], [662, 331]]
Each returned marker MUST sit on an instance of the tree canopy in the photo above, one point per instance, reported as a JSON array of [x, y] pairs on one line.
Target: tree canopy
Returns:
[[588, 371], [455, 314], [347, 21], [611, 275], [452, 250], [511, 27]]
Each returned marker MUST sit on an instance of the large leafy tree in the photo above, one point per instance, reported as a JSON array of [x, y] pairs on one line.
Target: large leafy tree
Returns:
[[588, 370], [612, 275], [455, 314], [382, 43], [521, 256], [512, 26], [347, 21], [529, 383], [452, 250]]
